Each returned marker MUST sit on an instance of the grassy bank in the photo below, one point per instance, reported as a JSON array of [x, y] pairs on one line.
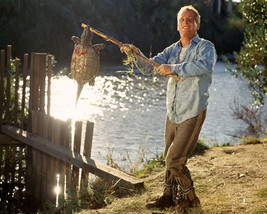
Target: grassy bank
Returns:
[[228, 179]]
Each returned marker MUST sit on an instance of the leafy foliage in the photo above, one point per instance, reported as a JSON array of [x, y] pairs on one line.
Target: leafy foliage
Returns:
[[11, 110], [254, 11], [252, 58]]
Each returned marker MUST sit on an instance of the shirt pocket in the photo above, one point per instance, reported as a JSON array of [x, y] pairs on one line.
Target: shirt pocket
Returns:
[[173, 59]]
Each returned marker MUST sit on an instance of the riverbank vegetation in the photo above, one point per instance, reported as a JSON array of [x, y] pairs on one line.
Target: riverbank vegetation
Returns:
[[251, 61]]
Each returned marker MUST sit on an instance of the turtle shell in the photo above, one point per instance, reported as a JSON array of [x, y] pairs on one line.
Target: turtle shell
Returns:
[[85, 64]]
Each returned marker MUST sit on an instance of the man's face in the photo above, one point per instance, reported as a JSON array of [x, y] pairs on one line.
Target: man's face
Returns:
[[187, 25]]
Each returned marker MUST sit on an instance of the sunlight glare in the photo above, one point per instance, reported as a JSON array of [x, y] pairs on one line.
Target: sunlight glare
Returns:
[[57, 189], [108, 94]]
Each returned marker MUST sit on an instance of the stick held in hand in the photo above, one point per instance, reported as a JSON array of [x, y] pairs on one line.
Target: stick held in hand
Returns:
[[118, 43]]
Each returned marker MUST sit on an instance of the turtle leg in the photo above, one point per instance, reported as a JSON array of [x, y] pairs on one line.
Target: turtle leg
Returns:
[[76, 40], [99, 47]]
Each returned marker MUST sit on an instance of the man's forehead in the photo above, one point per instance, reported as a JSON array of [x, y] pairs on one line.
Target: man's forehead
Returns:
[[187, 13]]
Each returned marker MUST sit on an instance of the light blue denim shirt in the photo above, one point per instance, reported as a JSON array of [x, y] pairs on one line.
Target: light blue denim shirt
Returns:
[[189, 96]]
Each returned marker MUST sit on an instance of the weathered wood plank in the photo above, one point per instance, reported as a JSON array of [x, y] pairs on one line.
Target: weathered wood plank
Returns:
[[35, 154], [88, 139], [87, 149], [46, 159], [34, 82], [53, 161], [6, 140], [39, 158], [72, 157]]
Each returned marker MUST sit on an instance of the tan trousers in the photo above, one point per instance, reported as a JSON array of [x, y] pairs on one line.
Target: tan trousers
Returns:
[[180, 141]]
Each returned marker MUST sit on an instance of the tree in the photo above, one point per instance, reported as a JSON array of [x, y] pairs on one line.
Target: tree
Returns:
[[252, 58]]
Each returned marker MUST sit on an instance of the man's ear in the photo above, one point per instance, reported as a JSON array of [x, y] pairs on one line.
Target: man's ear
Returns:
[[198, 26]]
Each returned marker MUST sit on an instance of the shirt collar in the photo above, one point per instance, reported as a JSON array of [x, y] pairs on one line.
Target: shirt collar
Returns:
[[196, 40]]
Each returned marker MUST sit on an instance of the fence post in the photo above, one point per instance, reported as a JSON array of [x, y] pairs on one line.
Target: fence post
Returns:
[[2, 69], [49, 74], [16, 93], [25, 70], [8, 82], [87, 149], [37, 80], [76, 148], [37, 87]]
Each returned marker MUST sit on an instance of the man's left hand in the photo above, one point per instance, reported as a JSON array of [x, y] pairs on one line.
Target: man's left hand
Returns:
[[165, 70]]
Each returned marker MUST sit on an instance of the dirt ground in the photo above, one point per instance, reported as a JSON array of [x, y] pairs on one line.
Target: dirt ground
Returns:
[[231, 179]]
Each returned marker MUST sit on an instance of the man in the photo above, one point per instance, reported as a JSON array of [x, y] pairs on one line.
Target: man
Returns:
[[192, 60]]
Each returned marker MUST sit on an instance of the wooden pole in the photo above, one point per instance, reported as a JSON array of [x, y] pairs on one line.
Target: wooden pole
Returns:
[[77, 148], [16, 93], [8, 83], [49, 74], [20, 171], [67, 145], [38, 69], [54, 160], [46, 158], [42, 74], [35, 159], [2, 69], [48, 127], [25, 70], [62, 165], [87, 149], [118, 43]]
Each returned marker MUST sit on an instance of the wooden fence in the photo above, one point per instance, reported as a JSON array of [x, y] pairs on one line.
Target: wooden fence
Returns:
[[30, 136]]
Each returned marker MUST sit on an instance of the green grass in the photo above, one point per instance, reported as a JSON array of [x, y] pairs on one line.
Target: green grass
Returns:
[[262, 193], [200, 147], [246, 140]]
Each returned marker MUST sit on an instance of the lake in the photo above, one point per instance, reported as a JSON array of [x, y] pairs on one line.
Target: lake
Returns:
[[129, 112]]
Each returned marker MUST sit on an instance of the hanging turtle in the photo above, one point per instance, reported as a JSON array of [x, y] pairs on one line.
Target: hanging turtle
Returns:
[[85, 60]]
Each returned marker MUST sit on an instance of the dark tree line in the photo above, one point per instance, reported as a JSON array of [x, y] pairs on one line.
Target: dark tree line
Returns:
[[47, 25]]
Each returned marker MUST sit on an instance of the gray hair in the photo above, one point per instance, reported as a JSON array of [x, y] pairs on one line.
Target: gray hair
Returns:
[[189, 7]]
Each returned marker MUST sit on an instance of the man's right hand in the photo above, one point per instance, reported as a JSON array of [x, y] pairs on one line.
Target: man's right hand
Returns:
[[165, 70], [127, 47]]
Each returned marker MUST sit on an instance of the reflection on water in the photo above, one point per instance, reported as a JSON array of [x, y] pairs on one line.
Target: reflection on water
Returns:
[[126, 110]]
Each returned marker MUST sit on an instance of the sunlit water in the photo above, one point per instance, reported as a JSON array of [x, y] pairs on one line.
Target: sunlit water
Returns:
[[128, 112]]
